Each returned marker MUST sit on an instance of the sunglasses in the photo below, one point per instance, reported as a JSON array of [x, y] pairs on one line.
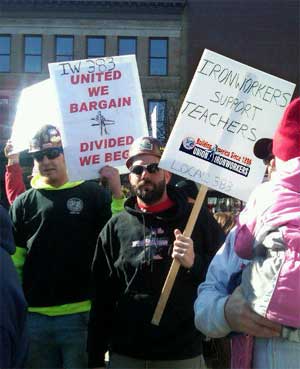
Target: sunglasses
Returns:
[[138, 169], [49, 153]]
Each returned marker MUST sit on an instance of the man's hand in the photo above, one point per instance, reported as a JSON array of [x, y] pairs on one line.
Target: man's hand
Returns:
[[241, 318], [112, 177], [11, 158], [183, 249]]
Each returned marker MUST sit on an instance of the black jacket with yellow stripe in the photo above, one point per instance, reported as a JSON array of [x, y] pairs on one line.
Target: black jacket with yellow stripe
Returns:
[[55, 231]]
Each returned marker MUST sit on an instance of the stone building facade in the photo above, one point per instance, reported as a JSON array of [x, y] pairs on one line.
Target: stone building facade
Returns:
[[37, 32]]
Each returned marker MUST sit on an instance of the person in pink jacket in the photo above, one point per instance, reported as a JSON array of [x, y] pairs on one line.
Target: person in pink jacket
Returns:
[[268, 233]]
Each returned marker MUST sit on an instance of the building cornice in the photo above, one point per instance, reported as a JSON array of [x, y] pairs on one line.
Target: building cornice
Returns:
[[56, 4]]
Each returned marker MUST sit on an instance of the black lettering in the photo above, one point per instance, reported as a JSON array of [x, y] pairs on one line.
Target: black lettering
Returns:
[[206, 62]]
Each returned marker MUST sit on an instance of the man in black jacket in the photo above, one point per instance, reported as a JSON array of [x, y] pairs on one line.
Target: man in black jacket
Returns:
[[56, 224], [133, 257]]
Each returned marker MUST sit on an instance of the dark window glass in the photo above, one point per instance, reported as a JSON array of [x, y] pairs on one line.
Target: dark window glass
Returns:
[[158, 57], [33, 54], [157, 114], [95, 47], [64, 48], [127, 45], [5, 128], [4, 53]]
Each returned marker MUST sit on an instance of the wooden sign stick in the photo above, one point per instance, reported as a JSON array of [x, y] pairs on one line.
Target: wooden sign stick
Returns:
[[165, 293]]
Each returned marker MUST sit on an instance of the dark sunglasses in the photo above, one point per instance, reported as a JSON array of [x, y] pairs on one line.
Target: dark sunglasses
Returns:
[[138, 169], [52, 153]]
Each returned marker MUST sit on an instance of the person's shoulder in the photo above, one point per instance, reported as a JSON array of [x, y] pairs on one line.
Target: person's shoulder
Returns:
[[20, 199], [120, 217], [3, 212], [8, 274], [94, 189]]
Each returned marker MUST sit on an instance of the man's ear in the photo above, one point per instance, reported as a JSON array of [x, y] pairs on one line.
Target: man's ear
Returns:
[[168, 176]]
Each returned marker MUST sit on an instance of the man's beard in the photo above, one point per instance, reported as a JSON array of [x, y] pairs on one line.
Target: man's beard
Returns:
[[150, 196]]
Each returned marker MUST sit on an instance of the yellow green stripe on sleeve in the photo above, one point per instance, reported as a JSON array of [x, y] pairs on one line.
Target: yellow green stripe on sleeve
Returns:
[[117, 205], [19, 259]]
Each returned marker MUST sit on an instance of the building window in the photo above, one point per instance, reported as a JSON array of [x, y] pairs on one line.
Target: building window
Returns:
[[64, 48], [157, 114], [4, 53], [158, 53], [5, 130], [95, 46], [33, 54], [127, 45]]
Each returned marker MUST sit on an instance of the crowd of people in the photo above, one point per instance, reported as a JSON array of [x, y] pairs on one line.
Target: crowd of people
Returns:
[[82, 267]]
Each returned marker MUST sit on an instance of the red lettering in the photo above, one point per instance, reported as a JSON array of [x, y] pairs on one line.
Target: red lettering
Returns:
[[116, 155], [73, 108], [108, 157], [117, 74], [84, 146], [129, 140], [91, 159], [85, 160], [112, 142], [96, 159], [97, 91]]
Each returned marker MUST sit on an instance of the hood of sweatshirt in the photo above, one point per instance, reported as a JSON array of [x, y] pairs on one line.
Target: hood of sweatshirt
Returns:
[[289, 175], [6, 236]]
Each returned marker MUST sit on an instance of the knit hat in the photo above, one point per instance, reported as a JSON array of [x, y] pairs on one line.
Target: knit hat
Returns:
[[263, 148], [144, 145], [286, 141], [46, 137]]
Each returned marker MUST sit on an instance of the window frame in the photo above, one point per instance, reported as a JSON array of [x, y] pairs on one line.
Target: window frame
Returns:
[[4, 114], [6, 54], [40, 55], [87, 46], [55, 45], [127, 38], [165, 101], [150, 58]]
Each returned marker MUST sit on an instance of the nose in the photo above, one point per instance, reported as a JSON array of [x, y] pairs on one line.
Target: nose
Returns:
[[145, 173]]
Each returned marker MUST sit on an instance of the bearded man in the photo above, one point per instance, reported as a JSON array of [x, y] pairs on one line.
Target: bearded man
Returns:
[[133, 257]]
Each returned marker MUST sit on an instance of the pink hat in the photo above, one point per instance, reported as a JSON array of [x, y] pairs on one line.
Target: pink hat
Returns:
[[286, 141]]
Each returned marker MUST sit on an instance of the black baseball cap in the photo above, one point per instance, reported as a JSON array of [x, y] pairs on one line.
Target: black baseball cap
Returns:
[[263, 148]]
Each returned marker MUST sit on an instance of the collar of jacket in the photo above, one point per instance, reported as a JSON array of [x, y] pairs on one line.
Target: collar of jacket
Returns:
[[38, 183], [180, 207]]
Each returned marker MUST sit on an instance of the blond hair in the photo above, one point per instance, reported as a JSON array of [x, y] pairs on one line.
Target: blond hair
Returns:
[[226, 219]]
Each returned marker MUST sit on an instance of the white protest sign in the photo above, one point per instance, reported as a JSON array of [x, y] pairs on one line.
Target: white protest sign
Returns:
[[228, 107], [36, 107], [102, 112]]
